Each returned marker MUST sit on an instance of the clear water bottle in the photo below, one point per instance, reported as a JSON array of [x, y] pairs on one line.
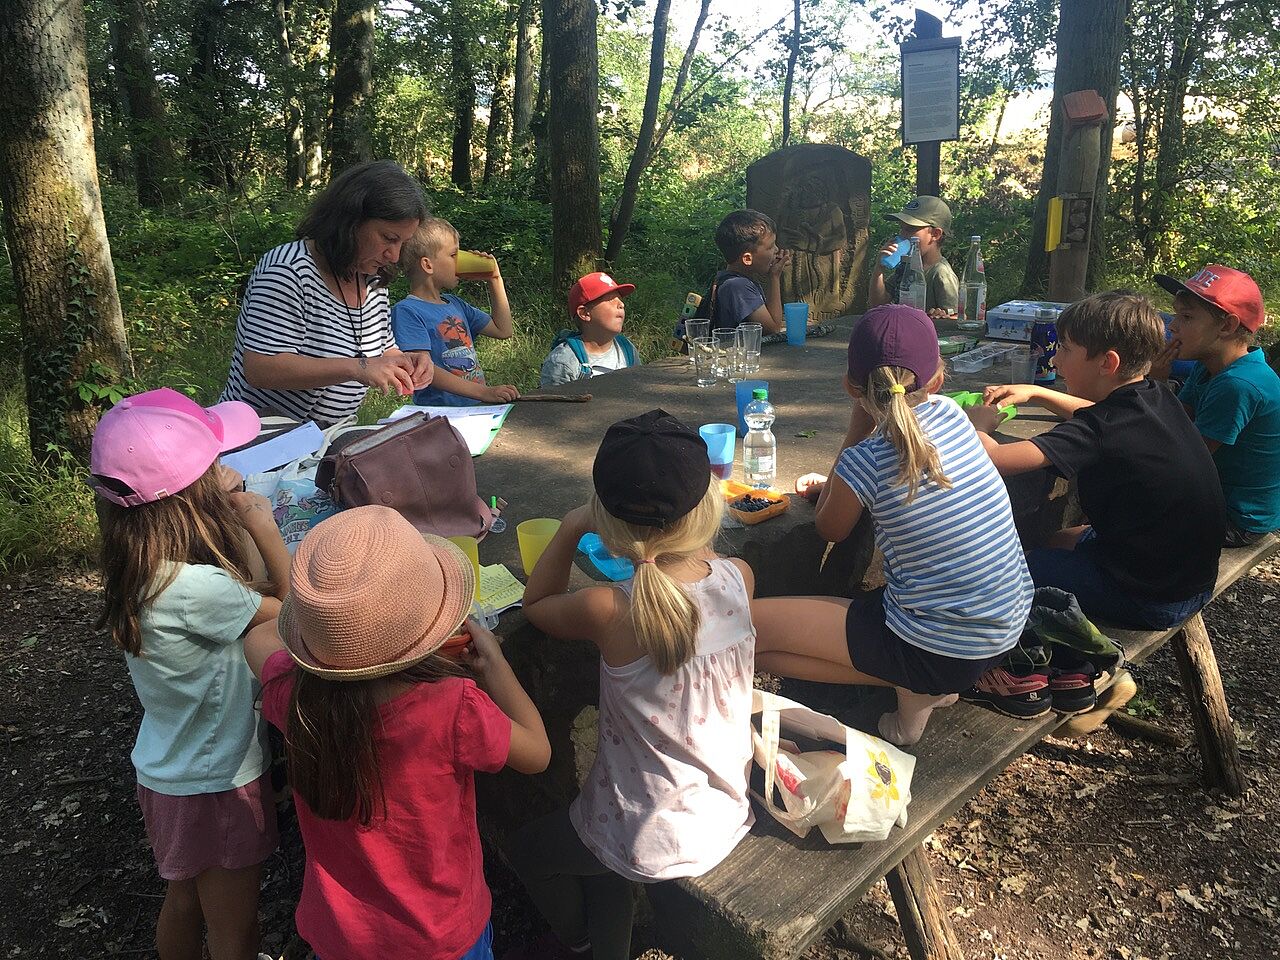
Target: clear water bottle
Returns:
[[912, 286], [759, 448], [973, 289]]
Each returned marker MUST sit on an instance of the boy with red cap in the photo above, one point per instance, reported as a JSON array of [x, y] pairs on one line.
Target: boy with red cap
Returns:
[[1231, 394], [598, 346]]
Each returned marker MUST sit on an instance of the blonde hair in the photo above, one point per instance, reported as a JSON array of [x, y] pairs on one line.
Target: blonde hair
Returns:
[[892, 411], [663, 616], [432, 234]]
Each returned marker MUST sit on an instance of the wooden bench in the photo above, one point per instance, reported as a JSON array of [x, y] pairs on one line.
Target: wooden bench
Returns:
[[776, 894]]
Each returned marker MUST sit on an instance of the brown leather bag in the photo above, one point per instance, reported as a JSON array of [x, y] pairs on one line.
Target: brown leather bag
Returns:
[[420, 467]]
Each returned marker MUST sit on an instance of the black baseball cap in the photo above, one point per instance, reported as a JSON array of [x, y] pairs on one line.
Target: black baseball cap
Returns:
[[651, 470]]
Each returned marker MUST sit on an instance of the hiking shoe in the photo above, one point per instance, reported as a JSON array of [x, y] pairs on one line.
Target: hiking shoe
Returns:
[[1015, 695], [1071, 687], [1122, 690]]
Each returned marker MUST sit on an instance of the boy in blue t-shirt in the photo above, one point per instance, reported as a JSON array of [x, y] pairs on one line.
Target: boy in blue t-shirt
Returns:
[[1232, 394], [748, 289], [430, 319]]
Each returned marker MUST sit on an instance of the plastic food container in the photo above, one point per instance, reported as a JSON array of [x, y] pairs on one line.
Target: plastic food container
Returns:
[[980, 358], [732, 490], [968, 398]]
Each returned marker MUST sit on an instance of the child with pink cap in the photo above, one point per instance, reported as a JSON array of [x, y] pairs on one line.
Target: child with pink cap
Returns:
[[180, 546]]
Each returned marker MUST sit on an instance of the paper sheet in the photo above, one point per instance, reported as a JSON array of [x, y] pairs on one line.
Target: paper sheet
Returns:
[[276, 452], [478, 425], [499, 589]]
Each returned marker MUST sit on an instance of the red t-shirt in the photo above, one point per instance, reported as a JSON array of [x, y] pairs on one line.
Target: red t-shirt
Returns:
[[412, 884]]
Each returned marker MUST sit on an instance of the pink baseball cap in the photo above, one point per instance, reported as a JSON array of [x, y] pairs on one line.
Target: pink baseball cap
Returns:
[[154, 444], [1231, 290], [594, 286]]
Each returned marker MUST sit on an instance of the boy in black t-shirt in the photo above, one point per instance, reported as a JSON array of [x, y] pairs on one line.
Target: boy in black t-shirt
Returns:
[[1149, 556], [747, 290]]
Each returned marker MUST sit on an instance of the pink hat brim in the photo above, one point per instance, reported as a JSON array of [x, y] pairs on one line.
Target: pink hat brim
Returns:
[[240, 423]]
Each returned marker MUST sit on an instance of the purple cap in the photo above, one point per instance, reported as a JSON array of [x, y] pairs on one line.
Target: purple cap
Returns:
[[894, 335], [154, 444]]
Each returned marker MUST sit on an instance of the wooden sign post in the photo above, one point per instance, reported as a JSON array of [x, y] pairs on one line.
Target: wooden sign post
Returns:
[[1070, 226], [930, 98]]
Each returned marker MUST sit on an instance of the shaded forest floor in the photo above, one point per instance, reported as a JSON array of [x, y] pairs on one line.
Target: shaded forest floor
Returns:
[[1095, 848]]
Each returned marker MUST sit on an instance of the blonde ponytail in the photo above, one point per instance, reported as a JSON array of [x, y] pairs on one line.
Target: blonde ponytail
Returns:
[[890, 404], [664, 617]]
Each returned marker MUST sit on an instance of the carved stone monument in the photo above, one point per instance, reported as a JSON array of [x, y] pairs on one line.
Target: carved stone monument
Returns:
[[820, 197]]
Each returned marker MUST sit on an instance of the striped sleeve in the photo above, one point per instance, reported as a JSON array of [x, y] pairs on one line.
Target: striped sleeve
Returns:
[[857, 467], [272, 317]]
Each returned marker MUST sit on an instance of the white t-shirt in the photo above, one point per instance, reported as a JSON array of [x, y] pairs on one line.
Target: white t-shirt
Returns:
[[288, 309], [200, 732]]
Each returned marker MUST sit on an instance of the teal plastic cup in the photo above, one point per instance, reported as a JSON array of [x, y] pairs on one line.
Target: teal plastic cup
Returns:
[[797, 317]]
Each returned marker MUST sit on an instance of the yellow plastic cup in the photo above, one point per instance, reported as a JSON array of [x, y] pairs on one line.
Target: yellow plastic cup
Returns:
[[533, 536], [475, 266], [471, 547]]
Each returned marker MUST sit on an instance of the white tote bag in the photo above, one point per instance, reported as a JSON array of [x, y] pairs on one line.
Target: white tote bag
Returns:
[[854, 794]]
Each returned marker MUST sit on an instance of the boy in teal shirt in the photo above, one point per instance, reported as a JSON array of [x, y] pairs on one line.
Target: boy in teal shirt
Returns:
[[1232, 394]]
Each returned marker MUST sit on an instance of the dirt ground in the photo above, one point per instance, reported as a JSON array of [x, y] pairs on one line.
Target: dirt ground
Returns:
[[1098, 848]]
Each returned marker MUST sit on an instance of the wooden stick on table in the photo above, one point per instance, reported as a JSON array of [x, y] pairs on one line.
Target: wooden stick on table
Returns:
[[556, 398]]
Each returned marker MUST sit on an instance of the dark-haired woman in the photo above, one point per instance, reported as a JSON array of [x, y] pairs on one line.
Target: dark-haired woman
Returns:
[[314, 331]]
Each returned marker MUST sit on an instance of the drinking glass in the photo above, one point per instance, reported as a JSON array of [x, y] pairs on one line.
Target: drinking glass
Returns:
[[693, 329], [726, 339], [751, 334], [703, 350]]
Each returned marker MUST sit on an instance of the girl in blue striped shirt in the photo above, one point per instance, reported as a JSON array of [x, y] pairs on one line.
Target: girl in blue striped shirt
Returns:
[[958, 591]]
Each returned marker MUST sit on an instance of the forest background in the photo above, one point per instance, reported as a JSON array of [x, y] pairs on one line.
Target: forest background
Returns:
[[215, 121]]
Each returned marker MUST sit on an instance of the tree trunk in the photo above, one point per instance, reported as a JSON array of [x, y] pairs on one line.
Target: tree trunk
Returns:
[[1170, 141], [1090, 42], [791, 74], [73, 336], [498, 136], [541, 186], [351, 54], [621, 221], [464, 96], [293, 145], [569, 36], [315, 89], [682, 78], [205, 151], [155, 163], [524, 79]]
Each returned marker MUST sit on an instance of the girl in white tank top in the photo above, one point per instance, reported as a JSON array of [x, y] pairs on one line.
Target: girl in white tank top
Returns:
[[667, 796]]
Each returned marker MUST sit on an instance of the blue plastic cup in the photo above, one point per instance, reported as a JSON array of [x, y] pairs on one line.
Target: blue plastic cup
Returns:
[[720, 439], [890, 261], [797, 317], [742, 390]]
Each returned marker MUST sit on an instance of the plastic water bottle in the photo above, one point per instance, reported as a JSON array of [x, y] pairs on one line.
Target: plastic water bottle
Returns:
[[759, 448], [912, 288], [973, 289]]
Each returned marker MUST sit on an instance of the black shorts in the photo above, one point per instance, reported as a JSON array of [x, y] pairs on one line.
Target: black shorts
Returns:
[[877, 651]]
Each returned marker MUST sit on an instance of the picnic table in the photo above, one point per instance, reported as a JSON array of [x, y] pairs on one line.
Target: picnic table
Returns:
[[774, 895]]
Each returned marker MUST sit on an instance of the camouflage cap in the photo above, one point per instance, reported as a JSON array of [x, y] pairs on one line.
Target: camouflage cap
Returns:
[[924, 212]]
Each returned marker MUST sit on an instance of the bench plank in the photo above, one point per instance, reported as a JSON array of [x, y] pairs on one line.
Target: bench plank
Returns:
[[775, 894]]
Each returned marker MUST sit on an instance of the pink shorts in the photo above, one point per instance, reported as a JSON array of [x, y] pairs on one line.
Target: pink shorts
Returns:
[[232, 829]]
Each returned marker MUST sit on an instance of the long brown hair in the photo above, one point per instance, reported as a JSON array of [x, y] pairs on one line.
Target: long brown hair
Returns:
[[663, 615], [892, 411], [331, 739], [142, 547]]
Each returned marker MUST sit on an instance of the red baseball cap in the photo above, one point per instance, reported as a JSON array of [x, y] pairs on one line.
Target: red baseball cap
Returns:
[[1231, 290], [594, 286]]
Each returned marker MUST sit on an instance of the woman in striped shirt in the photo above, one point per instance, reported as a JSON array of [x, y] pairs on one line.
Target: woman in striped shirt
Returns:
[[314, 330], [958, 591]]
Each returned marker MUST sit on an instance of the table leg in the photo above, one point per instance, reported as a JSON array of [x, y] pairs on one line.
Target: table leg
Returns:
[[921, 912], [1202, 683]]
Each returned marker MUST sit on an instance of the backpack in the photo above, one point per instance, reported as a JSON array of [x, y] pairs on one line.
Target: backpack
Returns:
[[573, 341]]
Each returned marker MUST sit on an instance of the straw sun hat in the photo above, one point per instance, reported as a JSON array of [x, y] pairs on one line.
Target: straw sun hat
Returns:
[[371, 596]]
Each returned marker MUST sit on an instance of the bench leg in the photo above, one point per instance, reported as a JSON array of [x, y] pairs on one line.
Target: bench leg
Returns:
[[921, 912], [1203, 685]]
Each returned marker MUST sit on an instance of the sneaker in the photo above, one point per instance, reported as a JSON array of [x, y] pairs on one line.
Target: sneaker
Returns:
[[1015, 695], [1122, 690], [1072, 687]]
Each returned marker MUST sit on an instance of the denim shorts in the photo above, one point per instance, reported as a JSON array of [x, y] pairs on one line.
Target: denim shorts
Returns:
[[1101, 597], [482, 949]]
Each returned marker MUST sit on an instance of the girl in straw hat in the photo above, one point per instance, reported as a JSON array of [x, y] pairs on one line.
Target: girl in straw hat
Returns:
[[178, 558], [383, 737], [667, 796]]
